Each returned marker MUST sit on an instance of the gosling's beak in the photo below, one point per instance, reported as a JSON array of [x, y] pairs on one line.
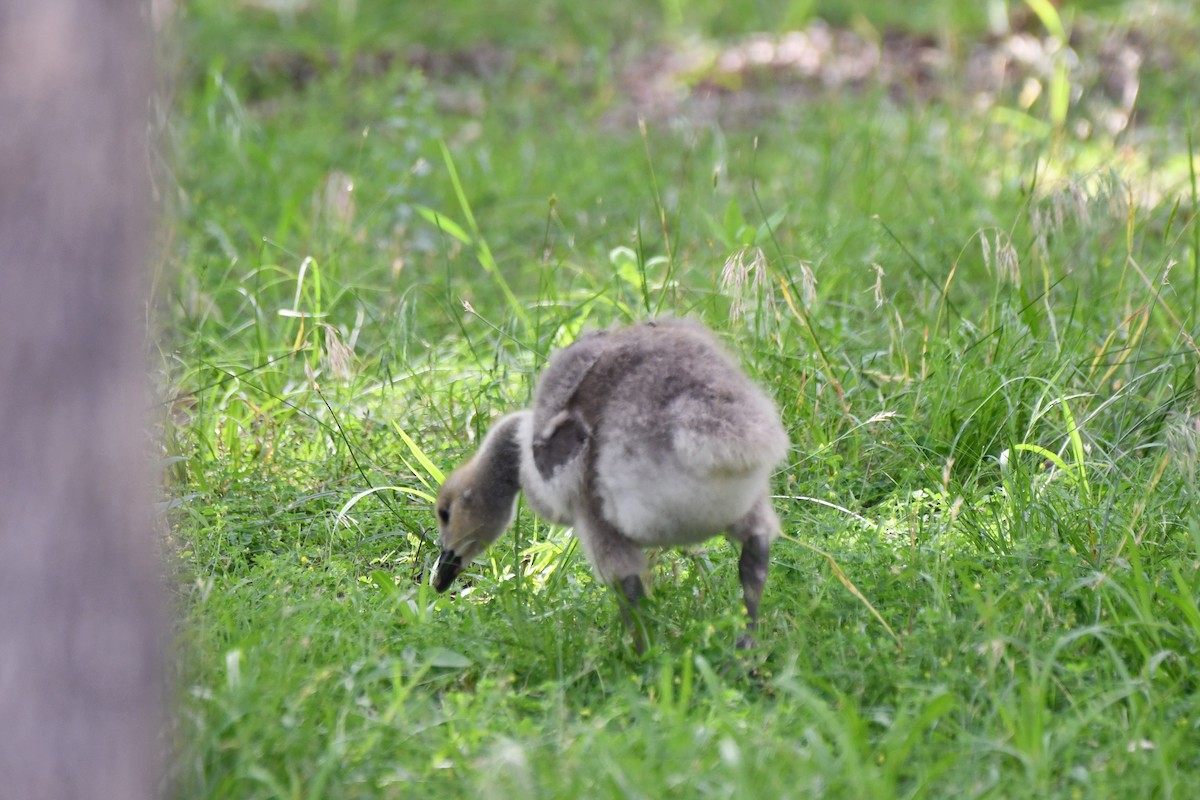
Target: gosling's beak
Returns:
[[449, 564]]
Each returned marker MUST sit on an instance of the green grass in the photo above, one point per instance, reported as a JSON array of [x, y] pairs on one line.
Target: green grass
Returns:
[[990, 390]]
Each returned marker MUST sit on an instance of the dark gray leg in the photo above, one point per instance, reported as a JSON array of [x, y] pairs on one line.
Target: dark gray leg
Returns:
[[630, 591], [755, 531], [619, 562], [752, 569]]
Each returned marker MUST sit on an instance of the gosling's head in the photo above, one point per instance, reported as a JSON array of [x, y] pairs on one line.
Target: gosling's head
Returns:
[[477, 501]]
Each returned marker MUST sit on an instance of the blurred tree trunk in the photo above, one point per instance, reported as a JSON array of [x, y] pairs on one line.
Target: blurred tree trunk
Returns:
[[80, 667]]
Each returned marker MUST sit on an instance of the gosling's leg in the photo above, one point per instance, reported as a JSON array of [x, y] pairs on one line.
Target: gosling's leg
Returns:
[[630, 591], [620, 563], [755, 531], [752, 569]]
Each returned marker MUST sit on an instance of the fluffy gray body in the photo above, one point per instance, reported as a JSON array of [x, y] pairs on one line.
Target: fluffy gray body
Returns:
[[644, 436]]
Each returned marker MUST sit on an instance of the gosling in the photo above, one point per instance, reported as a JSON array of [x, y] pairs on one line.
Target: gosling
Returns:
[[644, 436]]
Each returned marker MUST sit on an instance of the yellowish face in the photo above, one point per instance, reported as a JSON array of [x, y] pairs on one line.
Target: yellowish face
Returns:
[[470, 517]]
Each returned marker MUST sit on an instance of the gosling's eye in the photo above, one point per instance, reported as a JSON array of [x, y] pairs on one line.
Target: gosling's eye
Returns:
[[444, 515]]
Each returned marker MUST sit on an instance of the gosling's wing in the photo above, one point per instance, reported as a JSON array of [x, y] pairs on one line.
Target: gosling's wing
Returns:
[[559, 442], [560, 431]]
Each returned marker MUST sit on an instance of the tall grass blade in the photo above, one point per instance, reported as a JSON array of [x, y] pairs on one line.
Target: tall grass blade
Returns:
[[482, 251]]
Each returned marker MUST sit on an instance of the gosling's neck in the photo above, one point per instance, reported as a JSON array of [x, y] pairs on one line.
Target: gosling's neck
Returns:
[[497, 465]]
